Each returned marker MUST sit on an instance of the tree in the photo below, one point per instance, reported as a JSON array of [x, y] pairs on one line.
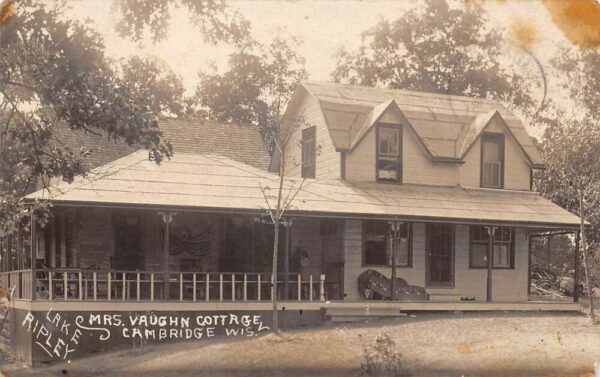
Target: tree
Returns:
[[435, 48], [284, 198], [155, 83], [214, 18], [572, 152], [571, 147], [255, 88], [53, 71]]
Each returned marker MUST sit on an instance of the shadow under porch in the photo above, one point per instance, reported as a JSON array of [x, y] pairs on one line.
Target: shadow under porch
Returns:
[[90, 253]]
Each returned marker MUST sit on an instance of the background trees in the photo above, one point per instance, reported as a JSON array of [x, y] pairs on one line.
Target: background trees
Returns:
[[217, 22], [435, 48], [54, 71], [255, 88]]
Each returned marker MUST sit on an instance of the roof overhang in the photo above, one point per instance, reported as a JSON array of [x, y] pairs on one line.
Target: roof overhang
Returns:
[[218, 184]]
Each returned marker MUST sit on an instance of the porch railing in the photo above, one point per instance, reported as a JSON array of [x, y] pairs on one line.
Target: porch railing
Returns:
[[112, 285]]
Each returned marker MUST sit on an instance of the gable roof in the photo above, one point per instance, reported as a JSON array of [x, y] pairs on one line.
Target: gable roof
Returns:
[[216, 183], [445, 124], [240, 142]]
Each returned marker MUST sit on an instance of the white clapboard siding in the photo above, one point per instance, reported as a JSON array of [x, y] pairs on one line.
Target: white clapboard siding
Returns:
[[516, 169], [328, 160], [508, 284]]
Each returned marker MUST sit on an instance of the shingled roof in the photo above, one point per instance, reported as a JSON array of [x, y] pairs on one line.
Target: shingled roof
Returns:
[[447, 125], [240, 142], [209, 183]]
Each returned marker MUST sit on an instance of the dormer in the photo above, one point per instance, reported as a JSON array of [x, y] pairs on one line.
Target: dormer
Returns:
[[389, 136]]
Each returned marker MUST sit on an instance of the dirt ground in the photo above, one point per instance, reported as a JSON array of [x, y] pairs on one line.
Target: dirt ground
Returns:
[[493, 344]]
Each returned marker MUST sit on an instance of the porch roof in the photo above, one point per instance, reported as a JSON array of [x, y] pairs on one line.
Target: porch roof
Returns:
[[210, 182]]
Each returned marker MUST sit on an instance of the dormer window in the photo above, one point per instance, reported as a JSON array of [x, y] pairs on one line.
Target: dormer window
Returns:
[[492, 160], [389, 153], [309, 152]]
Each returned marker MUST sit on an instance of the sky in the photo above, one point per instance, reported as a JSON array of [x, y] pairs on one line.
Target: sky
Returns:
[[323, 26]]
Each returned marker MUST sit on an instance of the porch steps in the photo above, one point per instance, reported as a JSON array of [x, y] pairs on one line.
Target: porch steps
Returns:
[[444, 296]]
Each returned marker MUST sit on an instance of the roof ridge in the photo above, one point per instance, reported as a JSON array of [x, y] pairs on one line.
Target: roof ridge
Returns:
[[406, 91], [208, 120]]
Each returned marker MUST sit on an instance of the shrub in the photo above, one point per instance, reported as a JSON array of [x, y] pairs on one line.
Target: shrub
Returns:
[[380, 359]]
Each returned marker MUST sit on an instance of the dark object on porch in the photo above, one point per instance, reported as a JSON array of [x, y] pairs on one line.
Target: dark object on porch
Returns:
[[376, 286]]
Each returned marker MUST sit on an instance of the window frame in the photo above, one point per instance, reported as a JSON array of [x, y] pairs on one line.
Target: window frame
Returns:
[[409, 263], [309, 135], [511, 252], [498, 138], [399, 170]]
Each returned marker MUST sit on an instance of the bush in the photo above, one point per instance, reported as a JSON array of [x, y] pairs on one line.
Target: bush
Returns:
[[381, 359]]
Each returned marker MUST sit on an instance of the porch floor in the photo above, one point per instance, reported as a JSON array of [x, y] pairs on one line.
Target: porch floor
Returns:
[[337, 308]]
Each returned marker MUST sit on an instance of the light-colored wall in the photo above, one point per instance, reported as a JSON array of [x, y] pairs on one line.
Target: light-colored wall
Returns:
[[516, 169], [328, 160], [508, 284], [417, 168]]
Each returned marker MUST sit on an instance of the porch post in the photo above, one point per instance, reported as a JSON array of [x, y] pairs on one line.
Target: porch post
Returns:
[[286, 257], [576, 267], [490, 260], [395, 227], [63, 240], [167, 218], [33, 255]]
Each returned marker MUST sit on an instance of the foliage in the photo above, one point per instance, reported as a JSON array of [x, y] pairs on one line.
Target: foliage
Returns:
[[571, 148], [53, 73], [214, 18], [572, 151], [436, 48], [255, 88], [382, 360], [155, 82], [571, 144]]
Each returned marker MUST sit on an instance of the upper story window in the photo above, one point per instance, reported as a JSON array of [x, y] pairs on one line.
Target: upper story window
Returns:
[[504, 247], [389, 153], [309, 152], [378, 244], [492, 160]]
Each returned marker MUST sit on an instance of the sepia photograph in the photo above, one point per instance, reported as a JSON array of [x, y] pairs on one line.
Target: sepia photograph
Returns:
[[300, 188]]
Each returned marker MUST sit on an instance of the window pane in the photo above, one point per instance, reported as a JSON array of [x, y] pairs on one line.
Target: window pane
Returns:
[[387, 169], [389, 141], [491, 166], [501, 255], [479, 255], [491, 150], [308, 152], [375, 253]]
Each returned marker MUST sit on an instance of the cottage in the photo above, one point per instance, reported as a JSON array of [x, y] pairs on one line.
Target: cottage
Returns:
[[408, 201]]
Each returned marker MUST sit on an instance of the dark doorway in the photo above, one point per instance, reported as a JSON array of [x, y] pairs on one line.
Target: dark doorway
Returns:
[[439, 255], [128, 252]]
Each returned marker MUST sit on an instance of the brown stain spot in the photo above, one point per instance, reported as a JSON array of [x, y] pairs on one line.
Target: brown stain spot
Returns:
[[8, 10], [577, 19], [524, 33], [581, 373], [559, 338], [463, 348]]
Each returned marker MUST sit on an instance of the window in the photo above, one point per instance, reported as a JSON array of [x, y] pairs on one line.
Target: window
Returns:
[[492, 160], [389, 156], [309, 152], [378, 241], [504, 247]]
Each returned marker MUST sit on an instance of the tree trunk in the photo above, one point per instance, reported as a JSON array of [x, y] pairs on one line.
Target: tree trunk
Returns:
[[585, 260], [274, 280]]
